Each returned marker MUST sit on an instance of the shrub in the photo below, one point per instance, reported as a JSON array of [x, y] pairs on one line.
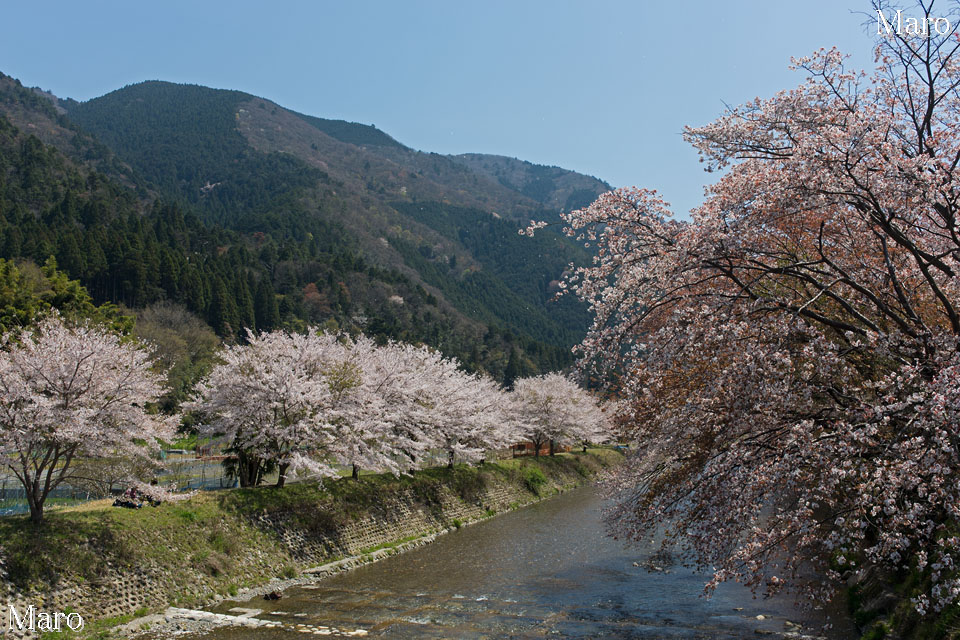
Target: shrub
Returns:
[[222, 543], [534, 479], [216, 564], [469, 484]]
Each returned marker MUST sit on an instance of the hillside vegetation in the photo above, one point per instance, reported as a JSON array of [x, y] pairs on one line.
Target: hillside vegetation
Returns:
[[247, 215]]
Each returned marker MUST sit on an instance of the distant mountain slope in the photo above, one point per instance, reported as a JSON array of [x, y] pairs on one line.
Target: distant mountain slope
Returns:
[[36, 113], [352, 132], [292, 268], [340, 218], [382, 171], [514, 269], [183, 139], [553, 187], [499, 272]]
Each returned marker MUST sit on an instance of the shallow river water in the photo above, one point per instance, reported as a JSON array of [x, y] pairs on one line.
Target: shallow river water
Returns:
[[546, 570]]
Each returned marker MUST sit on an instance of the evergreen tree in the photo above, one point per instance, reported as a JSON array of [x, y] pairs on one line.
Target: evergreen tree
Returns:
[[192, 291], [222, 313], [266, 310], [244, 302], [513, 371], [169, 274]]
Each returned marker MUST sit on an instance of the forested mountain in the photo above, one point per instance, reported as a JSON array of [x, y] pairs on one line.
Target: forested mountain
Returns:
[[250, 215], [553, 187], [40, 115]]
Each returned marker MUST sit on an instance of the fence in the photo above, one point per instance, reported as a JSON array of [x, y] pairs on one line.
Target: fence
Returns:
[[188, 472], [182, 468], [13, 497], [185, 471]]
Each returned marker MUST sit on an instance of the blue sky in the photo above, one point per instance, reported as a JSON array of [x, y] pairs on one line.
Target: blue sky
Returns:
[[604, 88]]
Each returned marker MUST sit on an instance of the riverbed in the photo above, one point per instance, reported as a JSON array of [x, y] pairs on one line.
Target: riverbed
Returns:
[[545, 570]]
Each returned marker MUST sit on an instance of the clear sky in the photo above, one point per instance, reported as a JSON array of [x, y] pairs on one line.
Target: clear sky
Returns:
[[601, 87]]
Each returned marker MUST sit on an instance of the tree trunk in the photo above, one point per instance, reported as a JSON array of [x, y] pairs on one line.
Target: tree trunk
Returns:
[[36, 505], [450, 461], [553, 446], [246, 470], [536, 448], [282, 478], [36, 514], [356, 472]]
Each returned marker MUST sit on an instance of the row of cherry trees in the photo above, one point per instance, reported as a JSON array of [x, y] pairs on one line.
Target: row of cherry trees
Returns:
[[303, 403], [790, 358], [310, 402]]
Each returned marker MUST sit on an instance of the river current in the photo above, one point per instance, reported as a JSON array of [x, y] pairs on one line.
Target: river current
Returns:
[[547, 570]]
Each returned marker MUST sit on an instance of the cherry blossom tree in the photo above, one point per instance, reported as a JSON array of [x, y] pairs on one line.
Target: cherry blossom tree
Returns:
[[364, 408], [270, 398], [466, 412], [304, 402], [407, 380], [408, 400], [552, 409], [601, 425], [71, 391], [789, 357]]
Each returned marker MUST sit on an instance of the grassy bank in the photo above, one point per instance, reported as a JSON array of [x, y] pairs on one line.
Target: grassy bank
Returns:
[[112, 563]]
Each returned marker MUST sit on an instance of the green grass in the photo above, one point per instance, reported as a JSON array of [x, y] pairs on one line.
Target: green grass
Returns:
[[51, 503], [534, 479], [876, 632], [188, 441], [389, 545], [902, 621], [328, 506], [101, 629], [81, 546]]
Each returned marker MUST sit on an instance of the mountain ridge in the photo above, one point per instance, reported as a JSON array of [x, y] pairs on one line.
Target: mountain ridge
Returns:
[[292, 192]]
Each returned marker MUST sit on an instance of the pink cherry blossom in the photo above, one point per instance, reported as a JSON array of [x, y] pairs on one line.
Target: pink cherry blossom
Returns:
[[788, 360], [70, 391]]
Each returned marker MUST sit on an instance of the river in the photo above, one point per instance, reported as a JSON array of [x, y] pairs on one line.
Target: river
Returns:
[[545, 570]]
